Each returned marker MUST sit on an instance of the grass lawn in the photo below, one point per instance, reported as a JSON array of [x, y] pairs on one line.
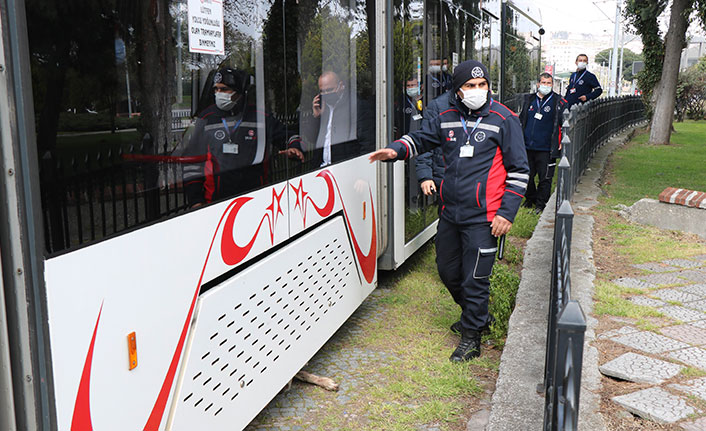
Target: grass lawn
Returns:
[[643, 171]]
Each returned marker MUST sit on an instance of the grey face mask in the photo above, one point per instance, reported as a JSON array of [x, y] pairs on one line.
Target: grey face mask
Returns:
[[224, 102]]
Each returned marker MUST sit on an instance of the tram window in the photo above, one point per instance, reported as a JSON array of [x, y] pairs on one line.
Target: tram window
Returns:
[[334, 49], [128, 127], [416, 82]]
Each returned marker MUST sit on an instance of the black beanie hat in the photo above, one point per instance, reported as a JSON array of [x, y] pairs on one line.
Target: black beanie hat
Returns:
[[467, 70], [233, 78]]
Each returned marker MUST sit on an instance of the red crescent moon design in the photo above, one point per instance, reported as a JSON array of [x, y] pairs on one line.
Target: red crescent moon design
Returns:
[[326, 210]]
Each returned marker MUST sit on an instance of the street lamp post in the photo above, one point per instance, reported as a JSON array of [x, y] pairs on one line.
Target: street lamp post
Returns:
[[614, 59]]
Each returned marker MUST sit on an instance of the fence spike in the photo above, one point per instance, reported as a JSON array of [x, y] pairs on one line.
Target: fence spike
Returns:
[[572, 317], [565, 209]]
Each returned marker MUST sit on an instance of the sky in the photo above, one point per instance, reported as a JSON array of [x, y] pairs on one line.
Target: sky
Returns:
[[577, 15]]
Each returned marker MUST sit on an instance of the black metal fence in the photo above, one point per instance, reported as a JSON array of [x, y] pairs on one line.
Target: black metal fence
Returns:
[[94, 192], [585, 129], [92, 195], [592, 123]]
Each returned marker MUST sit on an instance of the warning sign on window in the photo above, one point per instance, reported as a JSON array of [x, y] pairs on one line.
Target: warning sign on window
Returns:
[[206, 27]]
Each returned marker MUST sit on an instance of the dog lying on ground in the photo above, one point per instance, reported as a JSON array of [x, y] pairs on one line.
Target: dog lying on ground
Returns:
[[307, 377]]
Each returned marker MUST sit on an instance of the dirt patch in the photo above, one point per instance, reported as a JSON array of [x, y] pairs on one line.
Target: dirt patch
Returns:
[[609, 263]]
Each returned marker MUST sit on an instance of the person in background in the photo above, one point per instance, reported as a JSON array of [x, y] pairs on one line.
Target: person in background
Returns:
[[342, 126], [438, 79], [541, 122], [583, 85], [226, 134], [484, 183], [429, 166]]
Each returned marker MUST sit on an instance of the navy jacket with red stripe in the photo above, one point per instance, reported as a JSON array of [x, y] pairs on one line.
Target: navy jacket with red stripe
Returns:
[[491, 182]]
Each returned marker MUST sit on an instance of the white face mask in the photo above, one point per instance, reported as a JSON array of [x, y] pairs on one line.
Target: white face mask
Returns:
[[413, 91], [474, 99], [445, 68], [434, 69], [581, 65], [224, 102], [545, 89]]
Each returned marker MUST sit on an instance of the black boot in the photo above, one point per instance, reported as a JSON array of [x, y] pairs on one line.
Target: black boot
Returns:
[[468, 348], [456, 328]]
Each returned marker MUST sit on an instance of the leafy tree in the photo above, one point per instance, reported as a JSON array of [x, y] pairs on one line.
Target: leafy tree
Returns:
[[662, 55], [629, 57]]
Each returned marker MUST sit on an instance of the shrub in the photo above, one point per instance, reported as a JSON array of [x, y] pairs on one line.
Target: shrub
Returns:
[[503, 288]]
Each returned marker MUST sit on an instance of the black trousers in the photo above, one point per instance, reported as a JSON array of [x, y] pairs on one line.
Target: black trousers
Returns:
[[465, 255], [542, 166]]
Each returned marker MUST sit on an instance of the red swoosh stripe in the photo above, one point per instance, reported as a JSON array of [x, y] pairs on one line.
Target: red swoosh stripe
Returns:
[[81, 420], [161, 403], [367, 262]]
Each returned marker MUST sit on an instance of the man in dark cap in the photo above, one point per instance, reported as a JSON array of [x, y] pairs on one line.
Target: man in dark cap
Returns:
[[228, 135], [486, 177]]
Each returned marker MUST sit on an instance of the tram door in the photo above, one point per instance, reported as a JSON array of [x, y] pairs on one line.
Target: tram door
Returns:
[[430, 38]]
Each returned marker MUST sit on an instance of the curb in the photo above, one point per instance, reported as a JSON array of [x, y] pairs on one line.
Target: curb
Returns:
[[516, 400]]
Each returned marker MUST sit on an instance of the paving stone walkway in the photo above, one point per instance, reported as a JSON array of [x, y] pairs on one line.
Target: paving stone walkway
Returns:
[[658, 357], [340, 359]]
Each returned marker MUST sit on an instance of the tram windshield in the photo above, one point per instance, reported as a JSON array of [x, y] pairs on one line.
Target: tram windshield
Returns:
[[146, 110]]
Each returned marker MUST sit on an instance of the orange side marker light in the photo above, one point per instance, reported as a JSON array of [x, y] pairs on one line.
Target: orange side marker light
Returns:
[[363, 210], [132, 350]]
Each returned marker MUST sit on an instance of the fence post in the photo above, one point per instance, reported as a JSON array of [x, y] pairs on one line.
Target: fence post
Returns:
[[571, 329], [560, 283]]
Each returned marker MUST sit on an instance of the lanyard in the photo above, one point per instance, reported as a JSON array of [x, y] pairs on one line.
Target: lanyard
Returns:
[[573, 84], [228, 132], [412, 104], [539, 108], [465, 130]]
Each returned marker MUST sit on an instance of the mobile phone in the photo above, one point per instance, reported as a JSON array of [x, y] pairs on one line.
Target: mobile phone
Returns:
[[318, 103]]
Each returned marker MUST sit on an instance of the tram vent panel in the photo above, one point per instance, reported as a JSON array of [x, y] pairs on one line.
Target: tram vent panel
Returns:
[[257, 332]]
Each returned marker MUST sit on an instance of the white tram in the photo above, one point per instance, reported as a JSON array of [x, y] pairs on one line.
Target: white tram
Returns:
[[125, 307]]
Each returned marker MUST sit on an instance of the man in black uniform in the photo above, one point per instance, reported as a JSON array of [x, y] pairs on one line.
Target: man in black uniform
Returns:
[[226, 135], [541, 121], [583, 85], [485, 180]]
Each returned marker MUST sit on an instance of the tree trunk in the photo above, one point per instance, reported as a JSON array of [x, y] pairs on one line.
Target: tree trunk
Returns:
[[156, 78], [666, 91], [156, 71]]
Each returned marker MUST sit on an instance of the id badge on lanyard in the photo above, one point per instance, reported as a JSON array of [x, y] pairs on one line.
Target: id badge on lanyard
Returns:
[[230, 147], [538, 116], [467, 149], [572, 90]]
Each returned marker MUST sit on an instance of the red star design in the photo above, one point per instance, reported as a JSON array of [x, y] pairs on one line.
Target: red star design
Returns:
[[275, 209]]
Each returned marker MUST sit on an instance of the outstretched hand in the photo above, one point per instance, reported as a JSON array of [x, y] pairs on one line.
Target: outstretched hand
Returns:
[[382, 155]]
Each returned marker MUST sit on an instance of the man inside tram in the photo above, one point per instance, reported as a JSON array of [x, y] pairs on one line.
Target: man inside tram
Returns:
[[342, 123], [583, 85], [226, 136], [438, 77], [484, 183], [429, 166]]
